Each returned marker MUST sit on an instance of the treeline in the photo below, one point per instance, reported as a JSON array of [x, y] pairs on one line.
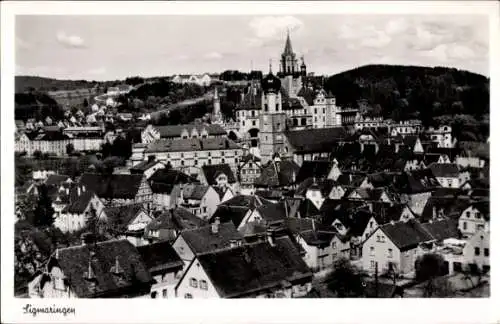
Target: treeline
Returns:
[[29, 83], [402, 92], [36, 105], [184, 115], [233, 75]]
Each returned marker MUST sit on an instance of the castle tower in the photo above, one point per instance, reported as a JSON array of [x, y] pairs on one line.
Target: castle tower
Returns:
[[216, 113], [272, 118]]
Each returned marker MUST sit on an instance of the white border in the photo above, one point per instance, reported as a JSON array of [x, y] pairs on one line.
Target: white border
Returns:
[[237, 311]]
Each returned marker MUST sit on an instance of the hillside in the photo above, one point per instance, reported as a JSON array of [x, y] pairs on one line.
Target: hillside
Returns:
[[403, 92], [36, 105], [25, 83]]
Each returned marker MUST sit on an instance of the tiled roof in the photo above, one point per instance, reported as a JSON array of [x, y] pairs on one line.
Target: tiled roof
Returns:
[[444, 170], [143, 166], [56, 179], [160, 256], [406, 235], [171, 131], [79, 203], [278, 174], [451, 208], [203, 240], [212, 171], [74, 263], [117, 186], [315, 140], [442, 229], [234, 214], [273, 212], [194, 191], [120, 217], [192, 144], [176, 219], [164, 180], [248, 269], [308, 94], [417, 181]]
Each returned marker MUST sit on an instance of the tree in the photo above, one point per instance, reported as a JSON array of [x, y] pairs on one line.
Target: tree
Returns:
[[44, 213], [85, 102], [346, 280], [70, 148], [37, 154], [427, 268]]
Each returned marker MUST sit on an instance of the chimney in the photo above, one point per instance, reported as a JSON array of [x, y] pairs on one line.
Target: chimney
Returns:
[[434, 213], [79, 191], [83, 188], [313, 223], [270, 237], [392, 222], [233, 243], [216, 225]]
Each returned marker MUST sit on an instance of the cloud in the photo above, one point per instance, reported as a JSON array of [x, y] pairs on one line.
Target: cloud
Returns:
[[272, 27], [213, 56], [97, 71], [70, 41]]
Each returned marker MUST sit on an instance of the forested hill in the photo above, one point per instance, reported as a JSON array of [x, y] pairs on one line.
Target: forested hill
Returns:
[[401, 92], [27, 83]]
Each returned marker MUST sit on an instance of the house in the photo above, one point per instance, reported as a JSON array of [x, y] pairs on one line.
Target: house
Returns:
[[315, 190], [477, 251], [249, 170], [319, 169], [163, 181], [260, 270], [416, 188], [393, 247], [191, 131], [323, 244], [164, 265], [74, 216], [238, 209], [110, 269], [201, 200], [474, 218], [147, 168], [119, 189], [216, 236], [278, 174], [168, 225], [128, 221], [447, 174], [218, 175], [269, 214]]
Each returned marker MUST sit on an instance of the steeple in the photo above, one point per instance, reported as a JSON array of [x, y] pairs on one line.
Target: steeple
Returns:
[[270, 66], [288, 45]]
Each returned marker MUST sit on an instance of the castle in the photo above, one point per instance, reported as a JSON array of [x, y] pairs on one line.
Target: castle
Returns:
[[283, 102]]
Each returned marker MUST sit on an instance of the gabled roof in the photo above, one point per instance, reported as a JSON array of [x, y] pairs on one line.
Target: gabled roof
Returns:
[[79, 203], [171, 131], [308, 209], [203, 240], [164, 180], [194, 191], [385, 213], [212, 171], [160, 256], [451, 208], [74, 263], [273, 212], [417, 181], [277, 174], [241, 271], [176, 219], [323, 185], [442, 229], [308, 94], [316, 139], [56, 179], [119, 217], [143, 166], [191, 144], [406, 235], [117, 186]]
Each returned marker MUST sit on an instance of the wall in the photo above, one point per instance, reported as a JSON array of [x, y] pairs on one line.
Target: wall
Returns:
[[479, 240], [473, 222], [380, 253], [183, 250], [184, 287]]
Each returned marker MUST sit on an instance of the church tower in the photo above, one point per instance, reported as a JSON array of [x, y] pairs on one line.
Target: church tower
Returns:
[[290, 73], [216, 113], [272, 118]]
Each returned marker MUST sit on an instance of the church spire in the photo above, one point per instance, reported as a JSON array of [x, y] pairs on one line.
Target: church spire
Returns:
[[288, 45], [270, 66]]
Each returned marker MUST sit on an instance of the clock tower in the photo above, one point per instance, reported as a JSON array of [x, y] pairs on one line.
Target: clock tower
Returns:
[[272, 118]]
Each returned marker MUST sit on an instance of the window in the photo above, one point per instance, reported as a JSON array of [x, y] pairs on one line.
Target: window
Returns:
[[334, 245], [193, 283], [478, 215], [223, 161], [479, 227], [182, 162], [477, 251], [188, 296], [373, 264], [154, 294], [465, 225], [372, 251], [371, 224], [487, 252], [164, 293], [389, 253], [253, 122], [59, 284], [450, 183], [204, 209], [203, 285], [467, 214]]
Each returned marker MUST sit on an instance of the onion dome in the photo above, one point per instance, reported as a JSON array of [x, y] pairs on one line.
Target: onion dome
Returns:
[[271, 83]]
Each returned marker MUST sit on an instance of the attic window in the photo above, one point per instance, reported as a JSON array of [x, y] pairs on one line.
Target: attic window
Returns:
[[193, 283]]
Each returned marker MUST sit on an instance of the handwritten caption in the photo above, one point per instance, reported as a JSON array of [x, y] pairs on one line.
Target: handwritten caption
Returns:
[[54, 309]]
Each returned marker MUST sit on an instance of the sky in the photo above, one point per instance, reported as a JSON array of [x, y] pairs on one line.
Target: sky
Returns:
[[115, 47]]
